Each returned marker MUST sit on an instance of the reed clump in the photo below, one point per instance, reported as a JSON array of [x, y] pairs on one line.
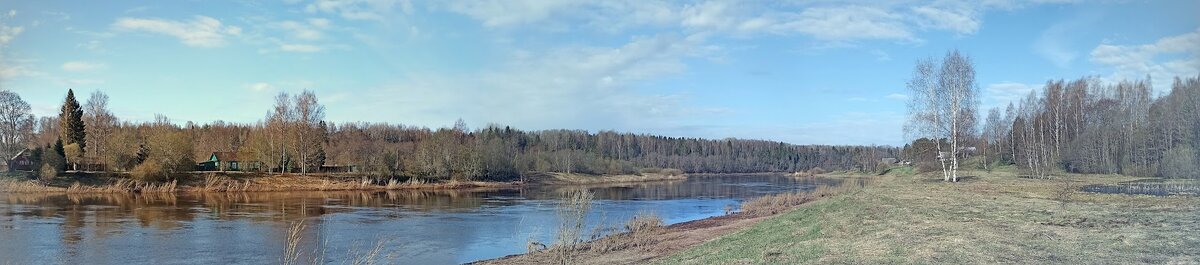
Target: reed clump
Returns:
[[773, 204]]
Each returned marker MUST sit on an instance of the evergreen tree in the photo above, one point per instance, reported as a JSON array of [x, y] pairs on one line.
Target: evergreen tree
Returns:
[[70, 121]]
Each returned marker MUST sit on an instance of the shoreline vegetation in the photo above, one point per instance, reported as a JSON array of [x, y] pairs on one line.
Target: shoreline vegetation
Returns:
[[992, 216], [96, 182], [87, 143], [638, 242]]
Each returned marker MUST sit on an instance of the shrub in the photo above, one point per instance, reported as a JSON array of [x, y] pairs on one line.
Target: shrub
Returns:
[[643, 222], [48, 173], [149, 171], [1179, 162]]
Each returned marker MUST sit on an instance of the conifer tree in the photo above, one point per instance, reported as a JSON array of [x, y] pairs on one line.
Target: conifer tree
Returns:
[[70, 120]]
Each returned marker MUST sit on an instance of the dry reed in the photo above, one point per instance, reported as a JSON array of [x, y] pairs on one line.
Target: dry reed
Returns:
[[773, 204]]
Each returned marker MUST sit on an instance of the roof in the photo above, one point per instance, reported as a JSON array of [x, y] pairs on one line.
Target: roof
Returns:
[[225, 156], [20, 154]]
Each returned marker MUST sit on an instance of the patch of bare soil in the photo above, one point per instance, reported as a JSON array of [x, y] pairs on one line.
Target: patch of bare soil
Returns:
[[640, 247]]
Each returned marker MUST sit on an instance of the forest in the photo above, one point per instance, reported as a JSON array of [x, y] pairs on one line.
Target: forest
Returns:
[[1090, 126], [294, 137]]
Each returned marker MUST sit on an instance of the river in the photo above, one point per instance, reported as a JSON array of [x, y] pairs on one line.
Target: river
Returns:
[[411, 227]]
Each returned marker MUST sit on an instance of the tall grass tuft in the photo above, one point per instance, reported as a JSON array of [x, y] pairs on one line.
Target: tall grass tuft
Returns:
[[291, 251], [572, 211]]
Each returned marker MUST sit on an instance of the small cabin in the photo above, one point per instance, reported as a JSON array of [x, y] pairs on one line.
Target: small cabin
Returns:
[[22, 161], [220, 161], [337, 169]]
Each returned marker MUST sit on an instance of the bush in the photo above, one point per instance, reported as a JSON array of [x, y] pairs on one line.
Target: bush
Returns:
[[816, 171], [1179, 162], [643, 222], [149, 171], [48, 173]]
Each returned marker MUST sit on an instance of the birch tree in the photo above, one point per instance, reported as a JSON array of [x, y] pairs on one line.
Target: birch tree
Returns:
[[99, 124], [944, 106], [308, 117]]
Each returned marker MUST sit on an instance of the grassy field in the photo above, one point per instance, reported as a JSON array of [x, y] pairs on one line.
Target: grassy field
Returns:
[[989, 217]]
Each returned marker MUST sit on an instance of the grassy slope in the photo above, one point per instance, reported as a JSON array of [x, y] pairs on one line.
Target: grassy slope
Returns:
[[994, 218]]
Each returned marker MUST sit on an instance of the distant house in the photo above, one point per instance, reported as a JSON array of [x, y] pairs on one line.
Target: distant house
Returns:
[[220, 161], [336, 169], [23, 161], [889, 160]]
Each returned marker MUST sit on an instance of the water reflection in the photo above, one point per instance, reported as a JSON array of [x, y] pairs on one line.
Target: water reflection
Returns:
[[426, 227]]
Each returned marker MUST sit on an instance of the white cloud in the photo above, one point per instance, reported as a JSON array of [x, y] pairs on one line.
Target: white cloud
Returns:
[[14, 71], [80, 66], [8, 33], [357, 9], [582, 87], [495, 13], [958, 20], [299, 48], [1053, 43], [897, 96], [1000, 94], [319, 22], [260, 86], [1163, 60], [848, 23], [12, 13], [824, 21], [303, 31], [201, 31]]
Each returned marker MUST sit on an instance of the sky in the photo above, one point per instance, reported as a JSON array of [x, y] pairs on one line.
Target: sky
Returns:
[[802, 72]]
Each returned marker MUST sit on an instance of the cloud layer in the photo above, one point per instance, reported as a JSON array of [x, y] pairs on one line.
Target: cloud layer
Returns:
[[200, 31]]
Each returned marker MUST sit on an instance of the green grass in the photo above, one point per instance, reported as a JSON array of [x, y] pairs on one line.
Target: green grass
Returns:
[[993, 218], [766, 241]]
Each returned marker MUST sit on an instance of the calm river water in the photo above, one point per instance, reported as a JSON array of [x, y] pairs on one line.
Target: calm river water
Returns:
[[414, 227]]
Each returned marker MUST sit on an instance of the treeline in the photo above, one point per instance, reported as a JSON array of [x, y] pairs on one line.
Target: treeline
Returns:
[[295, 138], [1086, 126]]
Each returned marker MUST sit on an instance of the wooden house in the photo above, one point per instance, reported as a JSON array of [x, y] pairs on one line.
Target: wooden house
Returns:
[[220, 161], [23, 161]]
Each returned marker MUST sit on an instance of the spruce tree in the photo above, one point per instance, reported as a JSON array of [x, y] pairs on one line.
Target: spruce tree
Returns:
[[70, 121]]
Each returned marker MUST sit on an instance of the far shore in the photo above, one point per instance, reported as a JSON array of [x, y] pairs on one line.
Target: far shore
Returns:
[[108, 182]]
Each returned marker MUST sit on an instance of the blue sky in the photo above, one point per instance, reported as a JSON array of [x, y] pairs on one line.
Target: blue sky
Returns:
[[804, 72]]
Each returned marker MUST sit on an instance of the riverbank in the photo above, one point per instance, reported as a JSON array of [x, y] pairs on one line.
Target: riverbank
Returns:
[[904, 217], [644, 245], [90, 182], [988, 217]]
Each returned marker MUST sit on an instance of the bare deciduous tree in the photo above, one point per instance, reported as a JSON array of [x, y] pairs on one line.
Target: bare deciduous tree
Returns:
[[943, 106], [16, 124], [99, 123]]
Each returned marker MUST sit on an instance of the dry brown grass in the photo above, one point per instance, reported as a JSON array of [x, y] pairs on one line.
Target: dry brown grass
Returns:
[[26, 186], [227, 183], [584, 179], [126, 185], [643, 222], [293, 252], [995, 218], [639, 231], [774, 204]]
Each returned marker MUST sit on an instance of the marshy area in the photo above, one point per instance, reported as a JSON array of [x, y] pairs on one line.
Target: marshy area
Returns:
[[1155, 187]]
